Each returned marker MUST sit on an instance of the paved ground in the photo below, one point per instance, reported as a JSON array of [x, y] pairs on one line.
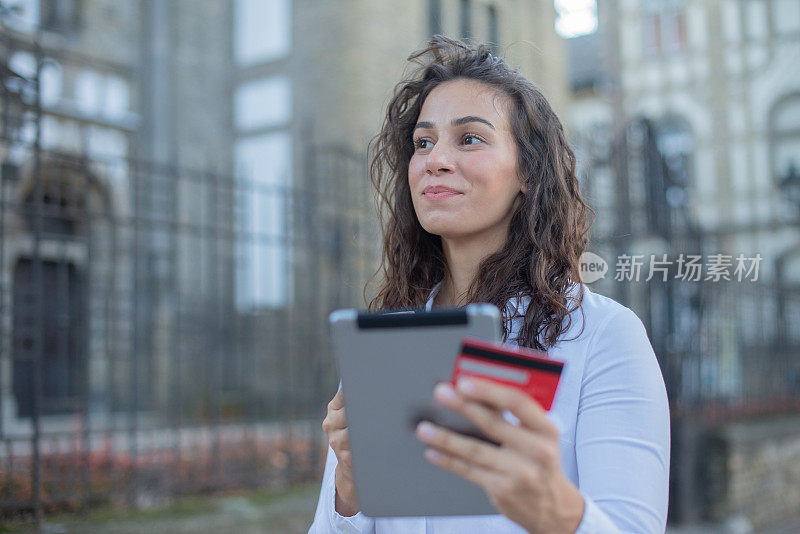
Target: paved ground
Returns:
[[259, 513], [286, 513]]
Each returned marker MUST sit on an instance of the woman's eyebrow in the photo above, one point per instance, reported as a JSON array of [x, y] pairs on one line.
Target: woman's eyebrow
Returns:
[[471, 118], [455, 122]]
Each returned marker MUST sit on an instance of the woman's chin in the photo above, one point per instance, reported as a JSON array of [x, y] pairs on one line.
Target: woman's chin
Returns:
[[439, 228], [445, 231]]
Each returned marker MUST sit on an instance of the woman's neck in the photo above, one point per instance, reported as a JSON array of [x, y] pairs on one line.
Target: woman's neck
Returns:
[[463, 260]]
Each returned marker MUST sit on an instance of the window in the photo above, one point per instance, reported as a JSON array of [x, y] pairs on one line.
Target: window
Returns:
[[651, 34], [263, 158], [52, 83], [98, 94], [263, 164], [434, 17], [465, 18], [88, 92], [62, 16], [117, 98], [262, 31], [575, 17], [786, 18], [663, 28], [262, 103], [673, 32]]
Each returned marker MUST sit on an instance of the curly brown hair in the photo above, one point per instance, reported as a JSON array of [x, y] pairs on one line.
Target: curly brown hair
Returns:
[[548, 230]]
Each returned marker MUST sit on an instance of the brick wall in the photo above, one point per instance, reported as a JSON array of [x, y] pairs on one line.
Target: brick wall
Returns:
[[757, 471]]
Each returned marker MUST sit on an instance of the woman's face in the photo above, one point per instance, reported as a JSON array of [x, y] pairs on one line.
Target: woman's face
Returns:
[[463, 173]]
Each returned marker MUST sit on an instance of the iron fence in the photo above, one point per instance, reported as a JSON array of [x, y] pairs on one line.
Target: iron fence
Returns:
[[134, 364], [162, 328], [727, 345]]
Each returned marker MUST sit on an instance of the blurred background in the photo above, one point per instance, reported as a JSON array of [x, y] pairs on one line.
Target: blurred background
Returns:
[[185, 198]]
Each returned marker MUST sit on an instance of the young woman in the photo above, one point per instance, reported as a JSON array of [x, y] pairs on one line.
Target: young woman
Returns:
[[481, 204]]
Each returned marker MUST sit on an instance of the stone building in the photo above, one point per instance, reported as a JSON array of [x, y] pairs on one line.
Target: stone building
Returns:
[[717, 81], [686, 117], [69, 113], [224, 143], [710, 85], [123, 112]]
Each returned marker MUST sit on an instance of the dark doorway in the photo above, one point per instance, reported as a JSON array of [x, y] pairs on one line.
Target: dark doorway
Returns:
[[63, 366]]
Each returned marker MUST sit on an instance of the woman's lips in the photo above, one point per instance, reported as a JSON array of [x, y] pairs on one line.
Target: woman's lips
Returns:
[[437, 192]]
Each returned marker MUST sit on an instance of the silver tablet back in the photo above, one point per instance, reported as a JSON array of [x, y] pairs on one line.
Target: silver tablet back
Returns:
[[389, 364]]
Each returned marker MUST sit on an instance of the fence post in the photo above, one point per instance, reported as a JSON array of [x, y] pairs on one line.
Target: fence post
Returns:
[[133, 405], [38, 342]]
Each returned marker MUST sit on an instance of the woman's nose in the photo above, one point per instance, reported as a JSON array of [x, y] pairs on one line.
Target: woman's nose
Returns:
[[439, 159]]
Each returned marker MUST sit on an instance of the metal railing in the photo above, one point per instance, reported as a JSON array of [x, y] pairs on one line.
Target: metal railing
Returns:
[[129, 371]]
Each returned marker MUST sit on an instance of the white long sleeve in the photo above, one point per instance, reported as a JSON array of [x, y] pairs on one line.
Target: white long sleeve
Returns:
[[326, 519], [623, 432]]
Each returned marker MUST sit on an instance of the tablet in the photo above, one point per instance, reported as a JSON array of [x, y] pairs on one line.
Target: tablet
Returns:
[[389, 363]]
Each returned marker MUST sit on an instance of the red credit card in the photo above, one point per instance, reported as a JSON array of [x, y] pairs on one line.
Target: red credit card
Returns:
[[529, 370]]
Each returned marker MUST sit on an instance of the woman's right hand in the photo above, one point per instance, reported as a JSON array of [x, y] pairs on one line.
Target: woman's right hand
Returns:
[[335, 426]]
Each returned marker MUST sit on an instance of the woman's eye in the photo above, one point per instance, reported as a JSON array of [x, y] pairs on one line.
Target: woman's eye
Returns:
[[419, 143], [470, 136]]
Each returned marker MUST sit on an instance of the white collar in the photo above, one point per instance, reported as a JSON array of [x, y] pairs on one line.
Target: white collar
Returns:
[[434, 292]]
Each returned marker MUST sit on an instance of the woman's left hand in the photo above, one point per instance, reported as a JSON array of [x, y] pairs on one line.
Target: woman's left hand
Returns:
[[522, 476]]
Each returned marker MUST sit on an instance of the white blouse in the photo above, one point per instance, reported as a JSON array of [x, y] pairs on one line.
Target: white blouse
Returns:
[[612, 413]]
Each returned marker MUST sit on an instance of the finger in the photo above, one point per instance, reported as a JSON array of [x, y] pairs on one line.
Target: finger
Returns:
[[470, 471], [468, 449], [337, 402], [526, 443], [489, 420], [334, 422], [528, 411], [338, 418], [340, 440]]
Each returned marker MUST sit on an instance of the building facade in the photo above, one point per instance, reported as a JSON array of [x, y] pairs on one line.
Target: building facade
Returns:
[[717, 81], [685, 118], [207, 162], [184, 200], [711, 84]]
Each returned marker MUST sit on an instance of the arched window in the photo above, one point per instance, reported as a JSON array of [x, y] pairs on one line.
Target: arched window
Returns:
[[65, 187], [49, 296]]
